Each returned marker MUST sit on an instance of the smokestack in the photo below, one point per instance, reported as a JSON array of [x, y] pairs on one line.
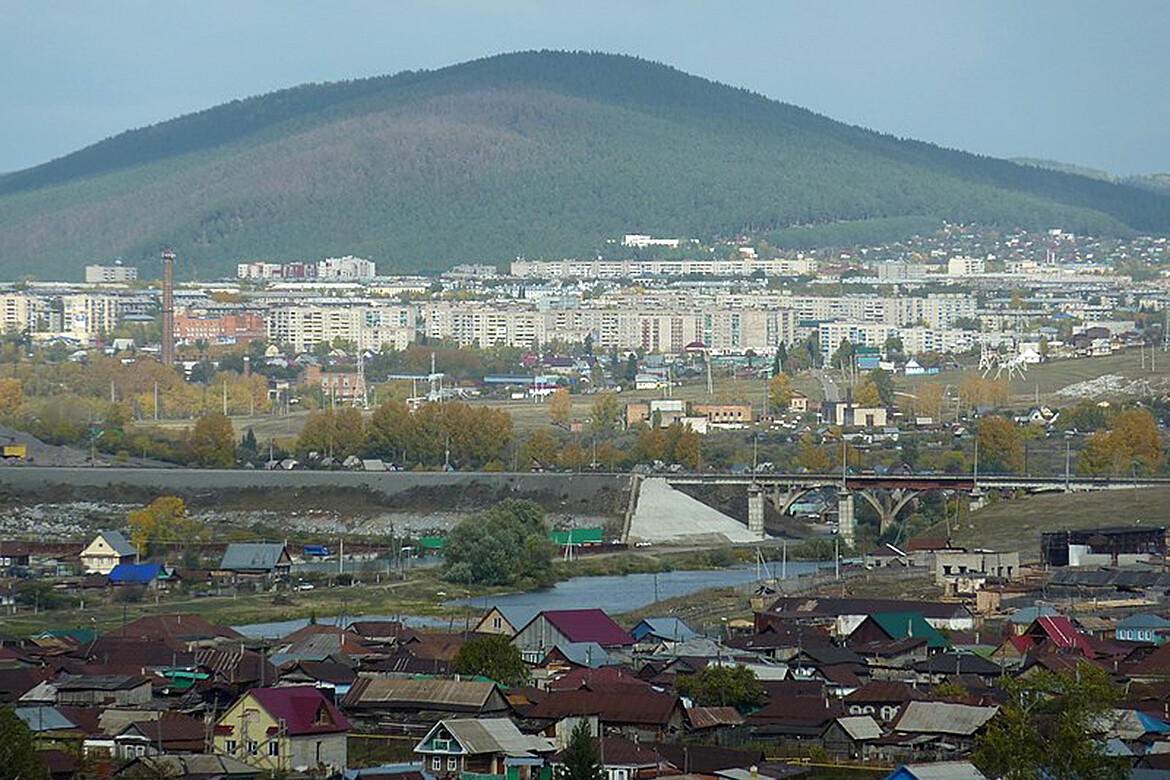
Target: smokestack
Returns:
[[168, 325]]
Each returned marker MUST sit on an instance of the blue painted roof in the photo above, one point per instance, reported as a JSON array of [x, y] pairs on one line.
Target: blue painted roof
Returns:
[[135, 572], [668, 628], [1144, 621], [1153, 725], [589, 654], [44, 719]]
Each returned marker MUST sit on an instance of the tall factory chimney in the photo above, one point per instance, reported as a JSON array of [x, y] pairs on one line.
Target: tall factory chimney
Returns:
[[168, 324]]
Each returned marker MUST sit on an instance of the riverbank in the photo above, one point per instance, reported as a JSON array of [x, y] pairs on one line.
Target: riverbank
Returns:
[[421, 594]]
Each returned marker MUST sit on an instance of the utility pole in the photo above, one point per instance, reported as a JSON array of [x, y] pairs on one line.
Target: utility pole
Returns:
[[156, 401]]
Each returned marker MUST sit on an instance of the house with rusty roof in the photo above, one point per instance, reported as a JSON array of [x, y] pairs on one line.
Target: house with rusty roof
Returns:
[[387, 703], [554, 627], [284, 729], [621, 759], [640, 715]]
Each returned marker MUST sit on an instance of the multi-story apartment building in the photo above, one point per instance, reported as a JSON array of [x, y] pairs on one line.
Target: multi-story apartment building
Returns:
[[236, 328], [83, 317], [98, 274], [367, 326], [20, 312]]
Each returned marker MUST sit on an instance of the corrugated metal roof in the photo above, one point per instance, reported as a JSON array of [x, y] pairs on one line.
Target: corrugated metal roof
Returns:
[[262, 556], [494, 735], [860, 727], [458, 693], [937, 717], [588, 625], [945, 770], [44, 719], [118, 542]]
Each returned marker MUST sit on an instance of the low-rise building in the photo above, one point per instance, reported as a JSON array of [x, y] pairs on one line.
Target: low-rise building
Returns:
[[107, 550], [295, 728]]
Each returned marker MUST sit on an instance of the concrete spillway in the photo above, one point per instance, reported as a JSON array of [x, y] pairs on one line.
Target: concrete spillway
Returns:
[[666, 516]]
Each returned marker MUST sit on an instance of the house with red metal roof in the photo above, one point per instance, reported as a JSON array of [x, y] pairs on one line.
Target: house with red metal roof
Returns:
[[565, 626], [284, 729], [1059, 630]]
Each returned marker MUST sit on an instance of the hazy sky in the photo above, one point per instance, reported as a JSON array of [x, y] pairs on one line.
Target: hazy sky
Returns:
[[1085, 83]]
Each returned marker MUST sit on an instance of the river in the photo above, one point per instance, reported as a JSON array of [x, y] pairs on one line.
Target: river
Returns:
[[614, 594]]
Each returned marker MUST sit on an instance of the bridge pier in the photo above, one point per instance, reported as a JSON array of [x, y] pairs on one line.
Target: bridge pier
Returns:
[[783, 500], [756, 510], [846, 523], [888, 510]]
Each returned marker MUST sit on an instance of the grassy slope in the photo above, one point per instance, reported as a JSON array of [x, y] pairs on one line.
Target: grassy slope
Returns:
[[520, 154], [1016, 524]]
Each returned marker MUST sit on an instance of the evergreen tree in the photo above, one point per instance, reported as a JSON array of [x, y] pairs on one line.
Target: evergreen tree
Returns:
[[18, 757], [580, 756]]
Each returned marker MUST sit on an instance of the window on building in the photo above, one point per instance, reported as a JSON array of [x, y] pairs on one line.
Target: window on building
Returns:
[[436, 763], [274, 748], [497, 623], [253, 747], [452, 764], [229, 745]]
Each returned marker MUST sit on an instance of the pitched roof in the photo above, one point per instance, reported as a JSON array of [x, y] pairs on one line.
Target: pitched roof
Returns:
[[588, 654], [303, 708], [937, 717], [668, 628], [860, 727], [248, 556], [491, 735], [1061, 632], [44, 718], [177, 625], [450, 694], [517, 616], [1144, 621], [900, 625], [710, 717], [959, 663], [588, 625], [118, 542], [881, 691], [135, 572], [941, 770], [648, 707]]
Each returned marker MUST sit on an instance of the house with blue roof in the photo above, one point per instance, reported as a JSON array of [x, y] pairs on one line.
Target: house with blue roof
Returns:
[[1143, 628], [654, 632], [140, 574]]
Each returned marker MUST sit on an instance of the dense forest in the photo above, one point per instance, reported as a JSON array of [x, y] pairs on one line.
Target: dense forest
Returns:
[[534, 154]]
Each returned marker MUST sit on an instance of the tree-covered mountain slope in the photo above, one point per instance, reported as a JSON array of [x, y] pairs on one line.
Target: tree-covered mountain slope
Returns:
[[536, 154]]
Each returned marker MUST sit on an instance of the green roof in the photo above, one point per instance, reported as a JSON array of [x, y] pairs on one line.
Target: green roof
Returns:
[[900, 625], [578, 536], [431, 542]]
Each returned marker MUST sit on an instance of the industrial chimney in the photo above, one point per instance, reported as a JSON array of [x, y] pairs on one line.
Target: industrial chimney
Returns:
[[168, 324]]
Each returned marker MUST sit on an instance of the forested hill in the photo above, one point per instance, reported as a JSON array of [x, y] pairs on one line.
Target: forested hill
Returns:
[[535, 154]]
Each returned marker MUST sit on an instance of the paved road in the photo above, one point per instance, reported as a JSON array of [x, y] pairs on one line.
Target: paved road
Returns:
[[828, 386]]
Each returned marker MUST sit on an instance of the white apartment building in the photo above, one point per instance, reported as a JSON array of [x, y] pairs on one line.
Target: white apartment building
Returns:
[[83, 317], [259, 271], [348, 267], [99, 274], [859, 334], [915, 341], [966, 266], [368, 327], [640, 241]]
